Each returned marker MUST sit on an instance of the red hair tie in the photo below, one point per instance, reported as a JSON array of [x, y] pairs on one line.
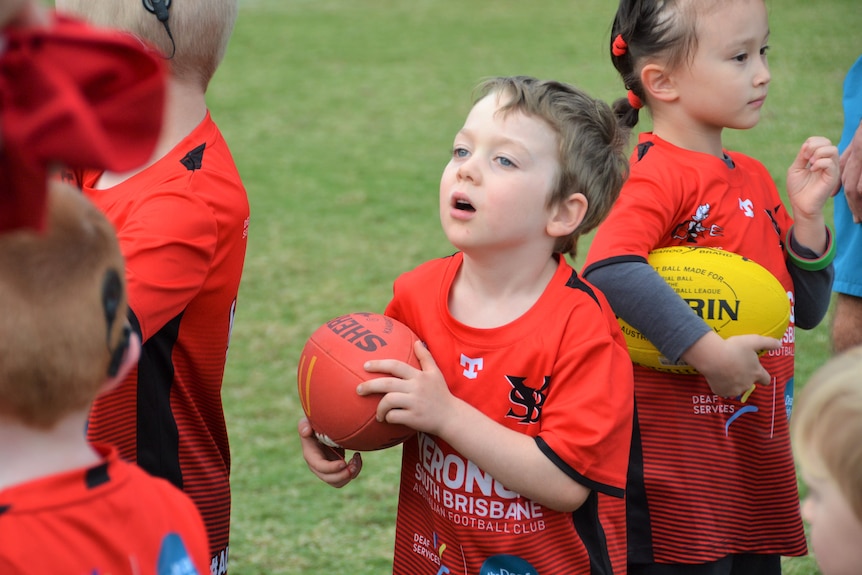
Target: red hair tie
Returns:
[[634, 101], [619, 47], [65, 94]]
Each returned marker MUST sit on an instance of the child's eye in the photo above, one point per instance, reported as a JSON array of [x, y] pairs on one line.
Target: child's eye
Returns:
[[459, 152], [764, 50], [741, 57], [506, 162]]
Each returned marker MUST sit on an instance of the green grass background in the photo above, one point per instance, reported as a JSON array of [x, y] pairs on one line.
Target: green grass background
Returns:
[[340, 115]]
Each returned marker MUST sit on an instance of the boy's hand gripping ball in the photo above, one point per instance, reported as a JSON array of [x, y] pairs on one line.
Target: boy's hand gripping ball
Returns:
[[330, 368], [734, 295]]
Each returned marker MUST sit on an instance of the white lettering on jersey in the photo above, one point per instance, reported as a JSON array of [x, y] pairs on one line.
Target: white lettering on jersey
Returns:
[[747, 207]]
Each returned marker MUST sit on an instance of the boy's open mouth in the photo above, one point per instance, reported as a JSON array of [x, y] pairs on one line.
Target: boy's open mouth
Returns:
[[464, 205]]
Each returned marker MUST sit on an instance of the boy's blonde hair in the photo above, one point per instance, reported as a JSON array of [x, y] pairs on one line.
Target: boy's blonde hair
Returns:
[[201, 30], [592, 159], [827, 425], [56, 336]]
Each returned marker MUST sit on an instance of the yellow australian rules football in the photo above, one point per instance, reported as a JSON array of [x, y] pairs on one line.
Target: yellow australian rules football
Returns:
[[732, 294]]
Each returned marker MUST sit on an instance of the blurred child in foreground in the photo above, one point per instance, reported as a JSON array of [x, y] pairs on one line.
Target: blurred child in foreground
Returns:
[[67, 506], [827, 441]]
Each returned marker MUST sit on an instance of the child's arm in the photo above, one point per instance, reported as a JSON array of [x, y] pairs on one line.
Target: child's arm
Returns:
[[652, 307], [730, 366], [422, 400], [851, 174], [811, 180], [811, 288]]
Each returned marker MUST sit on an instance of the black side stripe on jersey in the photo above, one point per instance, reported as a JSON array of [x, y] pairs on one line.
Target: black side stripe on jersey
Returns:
[[586, 521], [158, 438], [567, 469], [638, 523], [575, 282]]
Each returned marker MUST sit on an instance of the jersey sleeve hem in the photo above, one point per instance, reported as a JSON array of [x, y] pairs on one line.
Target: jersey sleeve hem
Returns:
[[610, 261], [568, 470]]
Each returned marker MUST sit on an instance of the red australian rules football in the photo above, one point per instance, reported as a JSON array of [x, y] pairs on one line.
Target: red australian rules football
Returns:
[[330, 368]]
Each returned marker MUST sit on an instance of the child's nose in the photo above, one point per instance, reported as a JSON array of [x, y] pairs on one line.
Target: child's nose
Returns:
[[469, 170]]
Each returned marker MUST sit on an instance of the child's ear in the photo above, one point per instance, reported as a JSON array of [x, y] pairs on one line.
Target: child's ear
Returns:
[[658, 83], [567, 216]]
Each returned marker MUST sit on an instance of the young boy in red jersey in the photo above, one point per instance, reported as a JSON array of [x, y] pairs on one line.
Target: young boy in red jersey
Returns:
[[67, 506], [182, 221], [524, 410], [709, 493], [826, 427]]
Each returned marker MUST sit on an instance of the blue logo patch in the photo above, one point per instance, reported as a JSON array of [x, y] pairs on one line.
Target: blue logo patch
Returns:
[[173, 557], [788, 397], [506, 565]]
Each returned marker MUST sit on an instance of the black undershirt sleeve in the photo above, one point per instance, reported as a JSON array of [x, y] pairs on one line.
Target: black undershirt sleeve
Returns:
[[812, 290], [664, 318], [653, 309]]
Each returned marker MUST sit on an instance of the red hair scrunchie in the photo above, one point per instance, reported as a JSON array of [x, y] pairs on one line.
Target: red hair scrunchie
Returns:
[[66, 91], [634, 101], [619, 47]]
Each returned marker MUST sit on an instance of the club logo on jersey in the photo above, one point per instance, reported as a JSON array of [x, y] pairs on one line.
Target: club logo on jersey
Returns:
[[528, 401], [747, 207], [693, 229], [471, 366]]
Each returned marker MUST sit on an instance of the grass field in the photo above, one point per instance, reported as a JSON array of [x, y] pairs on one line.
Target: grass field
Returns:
[[341, 115]]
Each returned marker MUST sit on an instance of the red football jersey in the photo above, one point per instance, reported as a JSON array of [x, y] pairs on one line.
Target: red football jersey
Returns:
[[559, 373], [711, 476], [111, 518], [182, 224]]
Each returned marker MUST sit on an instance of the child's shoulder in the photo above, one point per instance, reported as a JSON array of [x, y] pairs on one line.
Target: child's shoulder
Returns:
[[572, 295], [658, 161], [670, 170]]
